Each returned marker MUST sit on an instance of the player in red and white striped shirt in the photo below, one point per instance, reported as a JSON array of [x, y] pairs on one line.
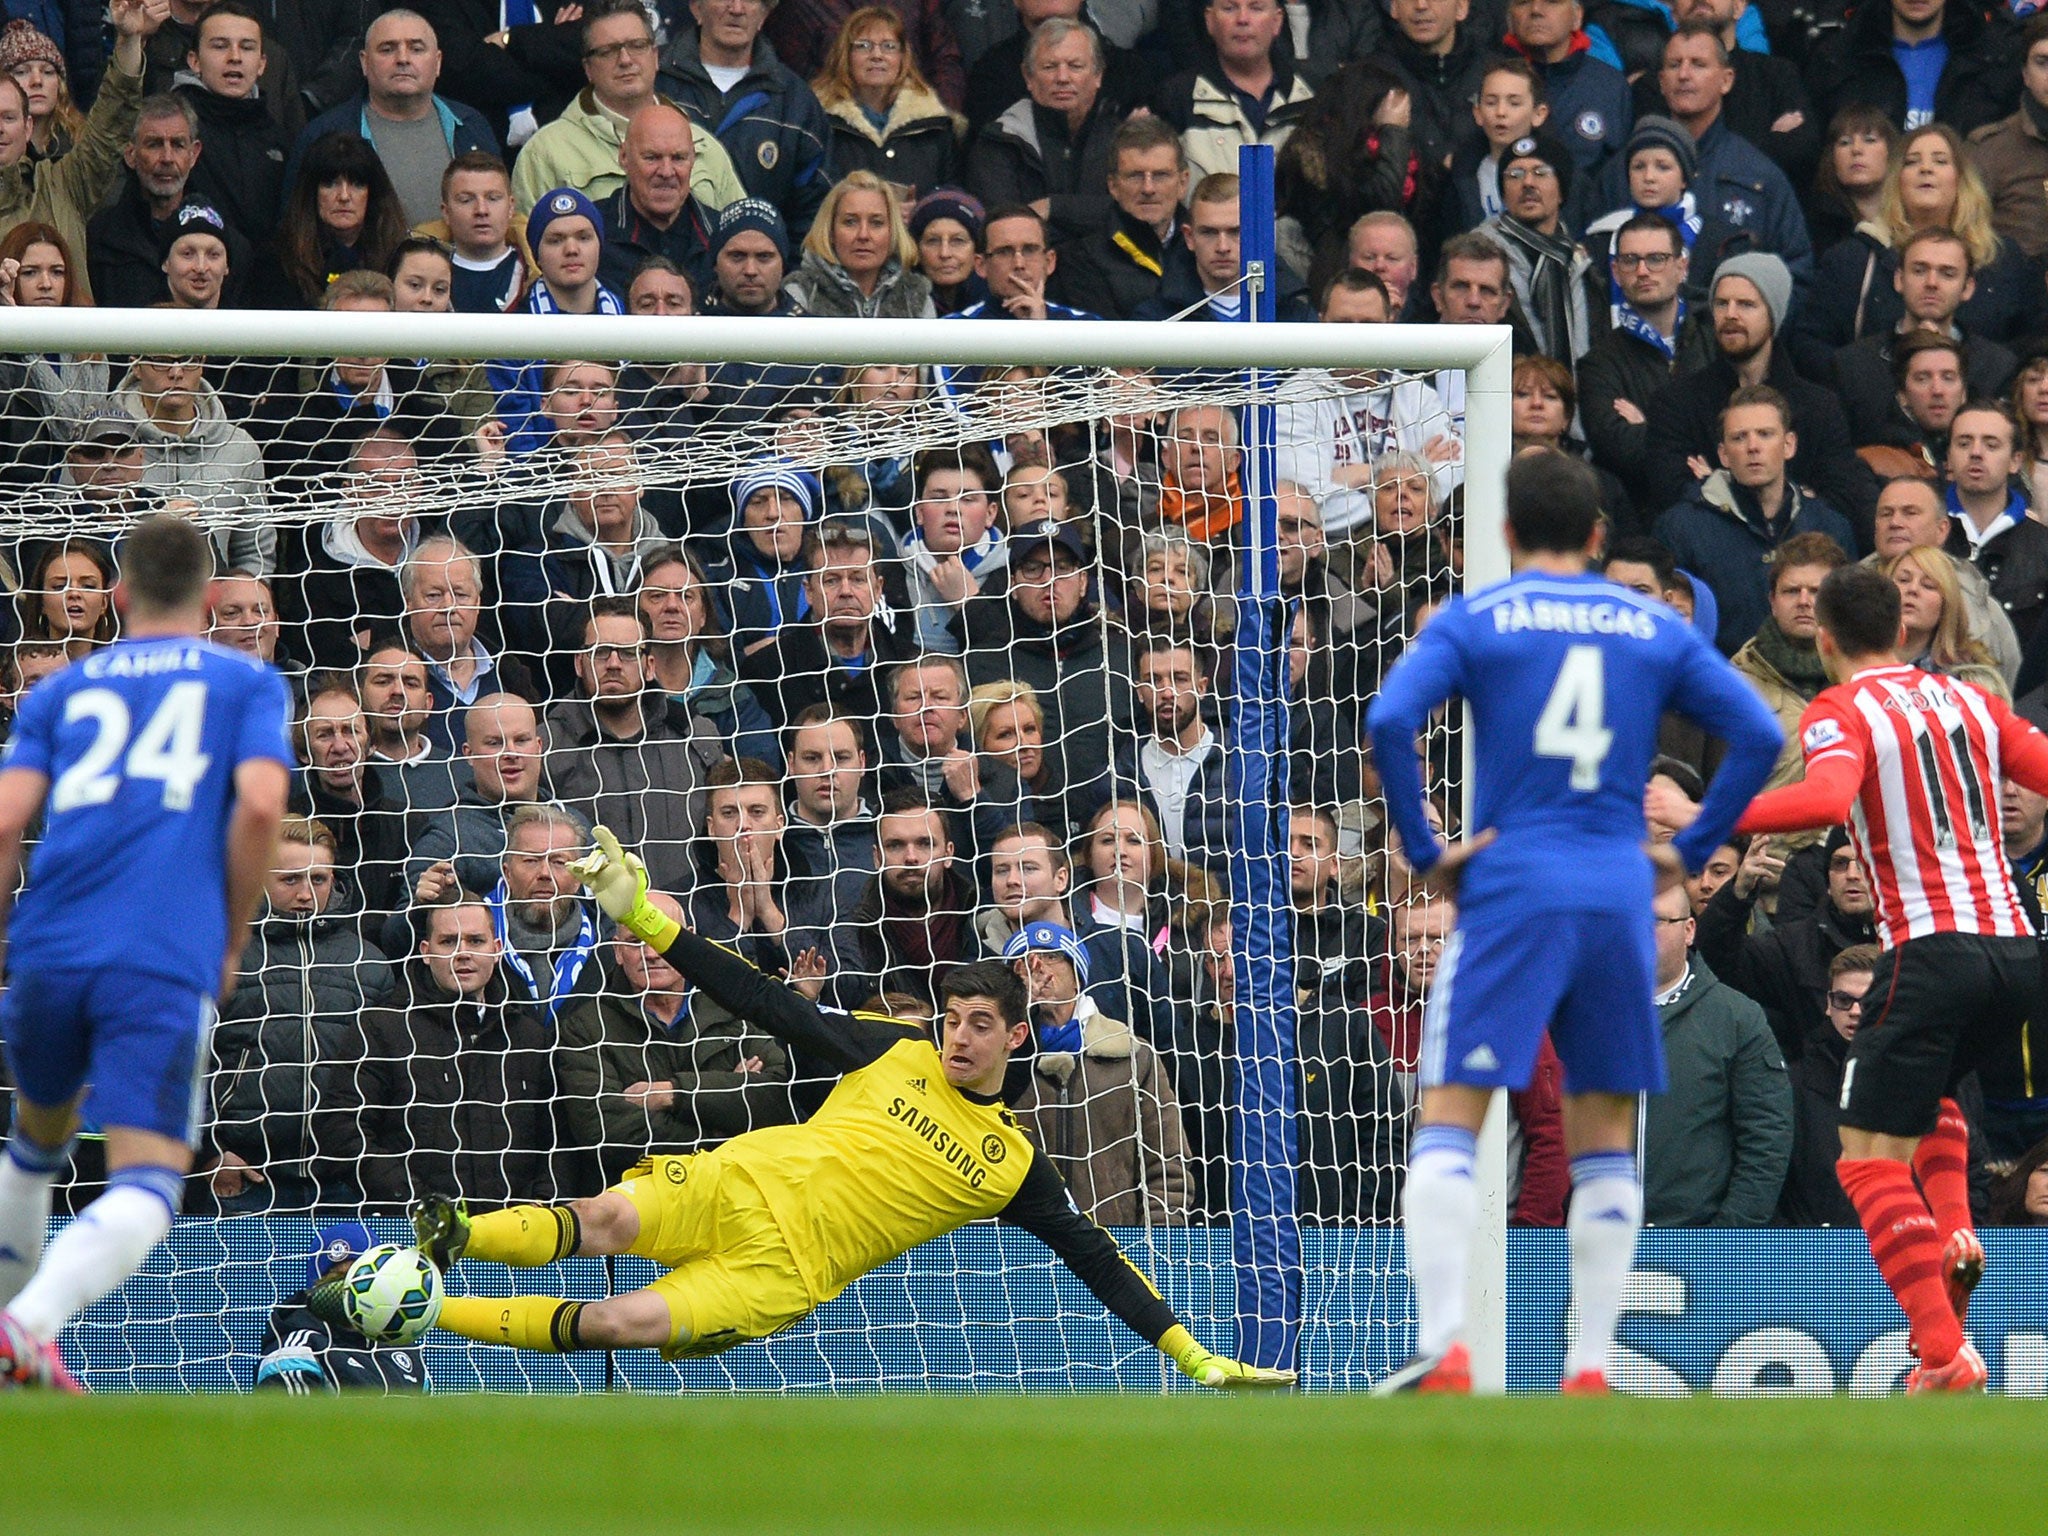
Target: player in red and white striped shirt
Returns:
[[1914, 761]]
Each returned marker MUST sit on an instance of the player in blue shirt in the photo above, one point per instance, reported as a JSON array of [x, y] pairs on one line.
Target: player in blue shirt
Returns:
[[163, 762], [1567, 676]]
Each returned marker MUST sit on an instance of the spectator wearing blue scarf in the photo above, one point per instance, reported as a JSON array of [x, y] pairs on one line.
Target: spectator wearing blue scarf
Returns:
[[565, 232]]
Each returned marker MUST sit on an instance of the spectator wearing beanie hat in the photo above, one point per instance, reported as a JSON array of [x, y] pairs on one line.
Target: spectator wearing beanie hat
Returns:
[[749, 258], [775, 505], [1551, 274], [36, 64], [1752, 299], [947, 225], [1660, 165], [565, 232], [196, 256]]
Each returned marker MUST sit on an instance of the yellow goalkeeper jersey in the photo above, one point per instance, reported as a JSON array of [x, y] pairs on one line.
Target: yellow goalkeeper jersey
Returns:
[[895, 1156]]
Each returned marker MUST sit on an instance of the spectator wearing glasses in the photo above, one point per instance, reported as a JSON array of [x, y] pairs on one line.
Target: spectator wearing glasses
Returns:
[[1553, 277], [1813, 1196], [1115, 268], [582, 147], [806, 34], [1716, 1143], [886, 119]]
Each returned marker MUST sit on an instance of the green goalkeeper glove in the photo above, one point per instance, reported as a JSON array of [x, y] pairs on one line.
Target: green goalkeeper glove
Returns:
[[619, 882], [1212, 1370]]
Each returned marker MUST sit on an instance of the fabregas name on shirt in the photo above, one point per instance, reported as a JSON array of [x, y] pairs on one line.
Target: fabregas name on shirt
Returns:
[[1556, 614]]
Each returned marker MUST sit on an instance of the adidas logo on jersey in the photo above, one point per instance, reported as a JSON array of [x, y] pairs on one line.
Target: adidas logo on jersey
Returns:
[[918, 1084], [1481, 1059]]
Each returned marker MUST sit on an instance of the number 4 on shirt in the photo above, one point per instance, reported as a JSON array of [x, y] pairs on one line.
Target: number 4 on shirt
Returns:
[[167, 750], [1572, 725]]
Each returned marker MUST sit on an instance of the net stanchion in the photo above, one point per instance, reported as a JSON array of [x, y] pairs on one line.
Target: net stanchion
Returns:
[[882, 645]]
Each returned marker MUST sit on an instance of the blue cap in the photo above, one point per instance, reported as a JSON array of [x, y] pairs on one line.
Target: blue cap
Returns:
[[339, 1242], [562, 203], [784, 474], [1049, 936]]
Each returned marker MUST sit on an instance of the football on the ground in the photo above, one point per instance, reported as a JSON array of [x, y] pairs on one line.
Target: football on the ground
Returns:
[[393, 1294]]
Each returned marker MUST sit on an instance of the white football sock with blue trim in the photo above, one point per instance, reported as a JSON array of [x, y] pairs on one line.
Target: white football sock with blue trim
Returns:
[[1439, 1209], [27, 1172], [1606, 1215], [103, 1247]]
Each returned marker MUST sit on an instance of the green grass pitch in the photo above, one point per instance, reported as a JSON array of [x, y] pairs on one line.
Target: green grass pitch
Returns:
[[912, 1463]]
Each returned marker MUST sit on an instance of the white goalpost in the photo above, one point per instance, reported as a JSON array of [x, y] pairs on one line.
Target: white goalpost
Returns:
[[844, 416]]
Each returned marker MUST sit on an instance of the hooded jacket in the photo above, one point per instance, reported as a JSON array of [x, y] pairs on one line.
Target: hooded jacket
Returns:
[[917, 146], [1717, 1141], [2014, 562], [769, 122], [580, 149], [1785, 968], [648, 788], [1107, 1117], [443, 1094], [609, 1041], [342, 591], [302, 984], [214, 463], [1718, 533], [64, 192], [824, 288]]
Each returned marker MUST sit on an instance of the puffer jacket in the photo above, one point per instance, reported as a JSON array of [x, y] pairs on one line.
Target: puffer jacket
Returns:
[[293, 1013], [917, 147], [823, 288], [440, 1094], [65, 192], [1107, 1117], [610, 1041], [769, 122]]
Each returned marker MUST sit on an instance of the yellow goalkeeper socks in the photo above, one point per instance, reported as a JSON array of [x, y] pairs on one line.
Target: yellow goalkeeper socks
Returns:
[[525, 1236], [545, 1323]]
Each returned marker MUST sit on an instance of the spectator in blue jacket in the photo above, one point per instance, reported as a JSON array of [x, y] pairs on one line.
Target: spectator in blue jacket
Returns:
[[1591, 106], [767, 119], [1728, 524], [414, 131], [1734, 182]]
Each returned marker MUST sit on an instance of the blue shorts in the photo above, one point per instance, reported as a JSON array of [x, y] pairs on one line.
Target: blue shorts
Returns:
[[1587, 977], [139, 1041]]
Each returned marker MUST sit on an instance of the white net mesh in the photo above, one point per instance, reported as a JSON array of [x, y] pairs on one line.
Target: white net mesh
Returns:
[[875, 664]]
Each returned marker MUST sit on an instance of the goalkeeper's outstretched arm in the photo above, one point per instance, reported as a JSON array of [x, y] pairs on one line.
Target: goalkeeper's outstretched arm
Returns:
[[1044, 1207], [843, 1041]]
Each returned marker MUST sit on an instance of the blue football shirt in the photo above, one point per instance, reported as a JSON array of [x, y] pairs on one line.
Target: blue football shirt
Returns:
[[1568, 678], [140, 742]]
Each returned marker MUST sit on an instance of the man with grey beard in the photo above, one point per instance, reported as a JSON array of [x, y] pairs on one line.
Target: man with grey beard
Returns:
[[125, 241], [538, 908]]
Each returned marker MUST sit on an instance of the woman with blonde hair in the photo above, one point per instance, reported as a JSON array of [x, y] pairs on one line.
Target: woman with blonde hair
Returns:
[[885, 117], [1006, 721], [1933, 185], [859, 258], [1937, 624]]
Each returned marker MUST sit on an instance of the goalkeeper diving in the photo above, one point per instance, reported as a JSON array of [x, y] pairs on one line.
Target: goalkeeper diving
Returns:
[[914, 1141]]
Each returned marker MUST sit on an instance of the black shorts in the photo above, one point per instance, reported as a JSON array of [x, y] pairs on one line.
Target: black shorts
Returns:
[[1938, 1008]]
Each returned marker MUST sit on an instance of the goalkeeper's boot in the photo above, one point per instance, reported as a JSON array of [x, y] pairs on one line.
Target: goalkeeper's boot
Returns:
[[1965, 1373], [441, 1227], [1449, 1372], [26, 1361], [1962, 1267], [1587, 1383]]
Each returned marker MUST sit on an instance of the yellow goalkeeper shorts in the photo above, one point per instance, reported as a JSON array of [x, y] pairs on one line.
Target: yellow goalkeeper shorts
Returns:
[[731, 1277]]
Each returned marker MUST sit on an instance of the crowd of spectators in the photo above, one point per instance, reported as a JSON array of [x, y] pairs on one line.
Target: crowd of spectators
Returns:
[[1780, 274]]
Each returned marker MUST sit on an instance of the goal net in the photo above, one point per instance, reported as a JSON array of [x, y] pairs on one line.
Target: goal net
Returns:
[[891, 649]]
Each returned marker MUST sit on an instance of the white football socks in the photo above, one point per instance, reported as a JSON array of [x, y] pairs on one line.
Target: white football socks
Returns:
[[1606, 1215], [27, 1172], [102, 1247], [1439, 1209]]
